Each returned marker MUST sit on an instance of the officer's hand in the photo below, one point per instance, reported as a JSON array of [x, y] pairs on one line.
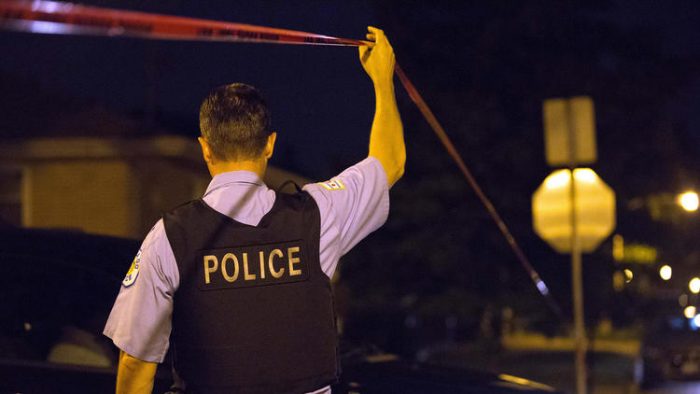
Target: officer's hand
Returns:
[[378, 60]]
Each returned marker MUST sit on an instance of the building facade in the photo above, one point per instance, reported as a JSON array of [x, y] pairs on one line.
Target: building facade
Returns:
[[112, 186]]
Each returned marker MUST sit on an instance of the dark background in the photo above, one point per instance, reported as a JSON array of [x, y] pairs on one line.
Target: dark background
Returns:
[[439, 264]]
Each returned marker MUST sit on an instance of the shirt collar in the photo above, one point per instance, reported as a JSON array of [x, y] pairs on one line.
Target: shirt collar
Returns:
[[234, 177]]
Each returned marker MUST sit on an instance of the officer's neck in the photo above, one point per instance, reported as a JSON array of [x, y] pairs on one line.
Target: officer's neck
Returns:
[[257, 166]]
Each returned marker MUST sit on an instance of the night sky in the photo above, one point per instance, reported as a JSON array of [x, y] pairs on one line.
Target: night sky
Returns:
[[321, 99], [676, 23]]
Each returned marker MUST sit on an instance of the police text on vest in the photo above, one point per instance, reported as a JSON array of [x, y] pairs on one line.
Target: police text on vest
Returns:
[[249, 266]]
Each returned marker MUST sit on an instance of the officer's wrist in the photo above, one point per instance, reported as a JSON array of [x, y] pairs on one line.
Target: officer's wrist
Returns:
[[384, 85]]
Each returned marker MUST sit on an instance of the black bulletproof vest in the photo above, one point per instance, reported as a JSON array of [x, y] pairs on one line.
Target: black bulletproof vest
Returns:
[[253, 312]]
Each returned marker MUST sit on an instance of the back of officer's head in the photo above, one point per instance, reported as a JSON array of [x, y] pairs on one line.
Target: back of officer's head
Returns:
[[235, 121]]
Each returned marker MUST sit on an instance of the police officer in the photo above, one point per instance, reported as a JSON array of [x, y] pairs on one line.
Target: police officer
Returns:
[[237, 282]]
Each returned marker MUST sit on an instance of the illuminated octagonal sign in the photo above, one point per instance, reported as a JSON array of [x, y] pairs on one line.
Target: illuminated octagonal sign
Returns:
[[595, 209]]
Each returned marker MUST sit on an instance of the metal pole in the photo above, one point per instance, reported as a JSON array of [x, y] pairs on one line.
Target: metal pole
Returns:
[[576, 271]]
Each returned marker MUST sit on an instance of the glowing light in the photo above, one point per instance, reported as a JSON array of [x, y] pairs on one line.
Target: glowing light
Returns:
[[562, 178], [585, 175], [618, 247], [689, 201], [542, 287], [557, 180], [689, 312], [694, 285], [618, 281], [665, 272], [524, 382], [696, 320], [629, 275], [42, 27], [46, 6]]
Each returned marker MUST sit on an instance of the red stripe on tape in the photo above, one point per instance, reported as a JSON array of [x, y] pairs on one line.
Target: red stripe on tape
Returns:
[[51, 17]]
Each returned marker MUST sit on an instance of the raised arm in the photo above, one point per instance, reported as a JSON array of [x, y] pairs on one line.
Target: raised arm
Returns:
[[386, 142]]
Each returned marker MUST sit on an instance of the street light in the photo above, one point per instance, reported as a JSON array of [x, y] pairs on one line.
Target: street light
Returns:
[[689, 312], [629, 275], [665, 272], [689, 201], [694, 285]]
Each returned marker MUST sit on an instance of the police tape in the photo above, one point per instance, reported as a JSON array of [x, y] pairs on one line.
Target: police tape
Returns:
[[50, 17], [490, 208]]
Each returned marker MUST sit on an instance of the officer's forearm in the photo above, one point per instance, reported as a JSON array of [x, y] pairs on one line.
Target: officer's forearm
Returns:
[[386, 141], [134, 376]]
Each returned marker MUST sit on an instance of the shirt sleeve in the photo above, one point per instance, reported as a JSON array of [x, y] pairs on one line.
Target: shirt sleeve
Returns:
[[352, 205], [140, 321]]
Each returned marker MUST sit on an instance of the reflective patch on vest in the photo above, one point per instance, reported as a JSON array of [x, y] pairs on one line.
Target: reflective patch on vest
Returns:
[[254, 265], [333, 184], [133, 272]]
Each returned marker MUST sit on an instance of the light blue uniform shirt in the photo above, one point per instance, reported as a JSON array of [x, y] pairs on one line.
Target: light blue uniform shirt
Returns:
[[352, 205]]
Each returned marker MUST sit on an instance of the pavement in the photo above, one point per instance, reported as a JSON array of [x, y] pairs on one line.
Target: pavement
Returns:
[[675, 388], [609, 373]]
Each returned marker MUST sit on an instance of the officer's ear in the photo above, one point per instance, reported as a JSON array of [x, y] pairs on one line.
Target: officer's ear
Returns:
[[270, 145], [206, 150]]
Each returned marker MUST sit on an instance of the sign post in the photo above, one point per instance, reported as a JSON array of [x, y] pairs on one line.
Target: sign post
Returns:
[[570, 141], [576, 269]]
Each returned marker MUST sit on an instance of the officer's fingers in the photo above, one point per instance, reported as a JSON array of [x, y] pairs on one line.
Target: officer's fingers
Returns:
[[379, 37], [364, 52], [378, 33], [371, 36], [382, 41]]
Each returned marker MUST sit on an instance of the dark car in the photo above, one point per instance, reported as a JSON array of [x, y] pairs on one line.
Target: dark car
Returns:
[[372, 371], [58, 288], [670, 350]]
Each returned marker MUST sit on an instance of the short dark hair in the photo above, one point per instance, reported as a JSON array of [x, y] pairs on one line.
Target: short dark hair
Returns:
[[235, 121]]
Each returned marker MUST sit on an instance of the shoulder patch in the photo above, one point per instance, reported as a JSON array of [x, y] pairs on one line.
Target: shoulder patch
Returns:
[[333, 184], [133, 273]]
